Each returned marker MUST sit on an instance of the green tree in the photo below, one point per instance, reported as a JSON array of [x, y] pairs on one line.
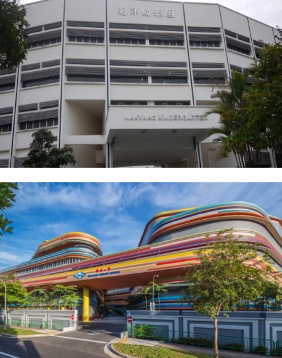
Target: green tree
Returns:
[[147, 291], [38, 296], [265, 96], [229, 270], [7, 198], [13, 34], [237, 136], [65, 295], [43, 154], [158, 289], [16, 293]]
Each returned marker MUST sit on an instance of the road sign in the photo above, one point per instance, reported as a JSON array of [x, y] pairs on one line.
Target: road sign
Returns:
[[129, 319], [72, 317]]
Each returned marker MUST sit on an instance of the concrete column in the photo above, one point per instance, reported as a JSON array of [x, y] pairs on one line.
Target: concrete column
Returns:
[[85, 308]]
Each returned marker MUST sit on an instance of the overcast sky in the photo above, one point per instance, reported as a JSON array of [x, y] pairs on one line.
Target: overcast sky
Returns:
[[267, 11], [115, 213]]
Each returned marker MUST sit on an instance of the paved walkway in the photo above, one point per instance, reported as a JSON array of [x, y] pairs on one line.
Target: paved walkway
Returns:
[[192, 349]]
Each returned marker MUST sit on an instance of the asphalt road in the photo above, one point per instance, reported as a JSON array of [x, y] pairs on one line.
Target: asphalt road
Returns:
[[89, 342]]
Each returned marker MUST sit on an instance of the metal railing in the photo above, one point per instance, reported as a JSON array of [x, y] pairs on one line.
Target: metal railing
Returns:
[[239, 344], [37, 324]]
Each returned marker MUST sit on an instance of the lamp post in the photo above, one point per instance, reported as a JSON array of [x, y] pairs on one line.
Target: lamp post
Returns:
[[5, 303], [153, 303]]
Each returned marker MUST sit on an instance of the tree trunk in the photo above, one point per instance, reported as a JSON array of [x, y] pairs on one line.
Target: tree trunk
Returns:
[[215, 338]]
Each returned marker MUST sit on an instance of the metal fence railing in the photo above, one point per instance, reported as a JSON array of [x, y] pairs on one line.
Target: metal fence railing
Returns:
[[37, 324], [239, 344]]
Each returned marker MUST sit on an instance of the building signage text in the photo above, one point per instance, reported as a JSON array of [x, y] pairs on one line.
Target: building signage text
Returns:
[[173, 117], [134, 11]]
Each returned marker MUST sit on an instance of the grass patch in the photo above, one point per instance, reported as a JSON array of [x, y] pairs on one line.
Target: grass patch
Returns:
[[140, 351], [17, 331]]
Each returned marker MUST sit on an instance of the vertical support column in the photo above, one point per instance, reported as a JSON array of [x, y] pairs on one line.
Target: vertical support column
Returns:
[[85, 306]]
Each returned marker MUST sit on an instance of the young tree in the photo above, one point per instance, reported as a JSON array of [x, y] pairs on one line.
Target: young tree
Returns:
[[38, 296], [13, 34], [65, 295], [159, 288], [44, 155], [16, 293], [147, 291], [7, 198], [228, 271]]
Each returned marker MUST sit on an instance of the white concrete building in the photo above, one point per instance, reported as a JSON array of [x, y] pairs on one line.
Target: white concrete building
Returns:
[[125, 83]]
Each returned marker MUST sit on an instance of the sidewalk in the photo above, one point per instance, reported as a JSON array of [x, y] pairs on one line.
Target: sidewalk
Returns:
[[187, 348]]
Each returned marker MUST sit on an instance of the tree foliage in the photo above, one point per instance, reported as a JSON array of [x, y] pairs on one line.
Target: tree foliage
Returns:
[[43, 154], [250, 108], [13, 34], [7, 198], [232, 111], [16, 293], [265, 96], [229, 270]]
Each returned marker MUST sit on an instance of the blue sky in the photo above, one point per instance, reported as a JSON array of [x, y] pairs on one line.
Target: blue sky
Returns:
[[114, 212]]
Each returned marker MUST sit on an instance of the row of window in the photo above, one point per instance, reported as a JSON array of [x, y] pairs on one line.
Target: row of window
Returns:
[[144, 103], [45, 42], [39, 124], [238, 49], [7, 87], [40, 81], [49, 265], [87, 39]]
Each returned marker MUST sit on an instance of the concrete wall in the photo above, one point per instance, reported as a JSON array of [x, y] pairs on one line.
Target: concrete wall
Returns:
[[246, 326], [41, 319]]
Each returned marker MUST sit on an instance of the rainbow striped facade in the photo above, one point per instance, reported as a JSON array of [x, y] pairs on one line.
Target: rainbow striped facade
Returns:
[[169, 243]]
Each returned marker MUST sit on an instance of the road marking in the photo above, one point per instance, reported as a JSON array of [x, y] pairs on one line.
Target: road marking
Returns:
[[78, 339], [7, 355]]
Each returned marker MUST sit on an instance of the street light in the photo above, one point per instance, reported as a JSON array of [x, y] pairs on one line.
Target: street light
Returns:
[[153, 303], [5, 303]]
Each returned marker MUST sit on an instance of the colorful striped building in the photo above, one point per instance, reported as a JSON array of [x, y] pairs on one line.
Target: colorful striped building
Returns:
[[169, 243]]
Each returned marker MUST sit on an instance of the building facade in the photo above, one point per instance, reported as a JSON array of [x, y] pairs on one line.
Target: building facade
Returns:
[[169, 243], [125, 83]]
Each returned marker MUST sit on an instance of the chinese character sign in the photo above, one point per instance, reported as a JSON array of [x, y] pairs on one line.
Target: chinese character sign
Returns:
[[146, 12]]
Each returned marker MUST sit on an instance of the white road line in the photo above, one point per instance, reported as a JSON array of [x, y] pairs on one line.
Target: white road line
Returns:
[[7, 355], [78, 339]]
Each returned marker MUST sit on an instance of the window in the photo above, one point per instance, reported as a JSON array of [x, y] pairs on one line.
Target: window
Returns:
[[128, 79], [172, 103], [166, 42], [85, 78], [127, 41], [41, 81], [5, 128], [169, 79], [46, 42], [128, 103], [86, 39], [204, 43], [238, 49], [39, 124]]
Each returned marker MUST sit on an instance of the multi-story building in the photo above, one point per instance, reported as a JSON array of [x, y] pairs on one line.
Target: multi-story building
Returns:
[[168, 245], [125, 83]]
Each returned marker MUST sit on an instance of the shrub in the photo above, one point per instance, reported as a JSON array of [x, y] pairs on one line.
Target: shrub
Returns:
[[234, 347], [261, 350]]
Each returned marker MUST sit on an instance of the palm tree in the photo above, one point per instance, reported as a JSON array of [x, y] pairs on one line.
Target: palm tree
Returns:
[[237, 132], [159, 288], [147, 291]]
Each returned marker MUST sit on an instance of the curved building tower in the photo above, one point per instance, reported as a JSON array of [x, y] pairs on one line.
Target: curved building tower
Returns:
[[168, 245]]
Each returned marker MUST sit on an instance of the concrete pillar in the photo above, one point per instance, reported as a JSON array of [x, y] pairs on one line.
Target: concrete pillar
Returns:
[[85, 307]]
